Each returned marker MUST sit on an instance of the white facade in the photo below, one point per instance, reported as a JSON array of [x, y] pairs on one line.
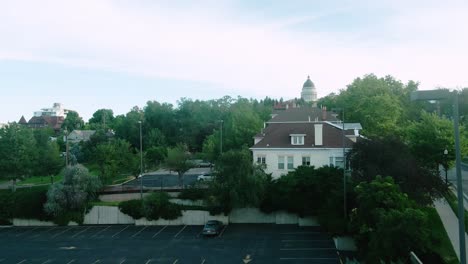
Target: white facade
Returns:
[[318, 157], [56, 110]]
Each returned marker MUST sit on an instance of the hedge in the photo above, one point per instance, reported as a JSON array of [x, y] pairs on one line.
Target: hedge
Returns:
[[25, 203]]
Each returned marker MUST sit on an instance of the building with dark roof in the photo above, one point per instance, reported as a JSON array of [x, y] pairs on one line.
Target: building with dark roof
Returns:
[[303, 136]]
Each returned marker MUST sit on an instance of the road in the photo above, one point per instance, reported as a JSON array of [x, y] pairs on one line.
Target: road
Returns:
[[124, 244], [452, 177], [164, 178]]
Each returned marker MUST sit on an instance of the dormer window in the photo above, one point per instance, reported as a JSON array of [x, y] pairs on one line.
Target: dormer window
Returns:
[[297, 139]]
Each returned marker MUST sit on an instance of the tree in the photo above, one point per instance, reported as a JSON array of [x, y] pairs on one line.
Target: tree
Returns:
[[49, 161], [114, 158], [383, 211], [390, 156], [78, 187], [72, 121], [429, 137], [238, 183], [178, 160], [102, 119]]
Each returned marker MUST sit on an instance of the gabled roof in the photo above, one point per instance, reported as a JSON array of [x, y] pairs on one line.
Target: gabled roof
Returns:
[[277, 135], [22, 121], [81, 135], [302, 114], [54, 122]]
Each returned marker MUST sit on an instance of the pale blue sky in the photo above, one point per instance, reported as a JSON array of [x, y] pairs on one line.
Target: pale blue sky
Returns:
[[89, 54]]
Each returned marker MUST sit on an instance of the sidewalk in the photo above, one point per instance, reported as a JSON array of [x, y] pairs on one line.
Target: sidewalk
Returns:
[[450, 221]]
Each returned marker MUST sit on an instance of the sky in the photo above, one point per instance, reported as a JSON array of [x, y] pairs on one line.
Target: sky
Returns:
[[90, 54]]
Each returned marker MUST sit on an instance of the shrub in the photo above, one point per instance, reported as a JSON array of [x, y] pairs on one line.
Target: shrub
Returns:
[[64, 218], [132, 208], [192, 193], [29, 204], [157, 205]]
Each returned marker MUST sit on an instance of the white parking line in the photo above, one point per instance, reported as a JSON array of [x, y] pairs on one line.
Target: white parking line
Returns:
[[47, 261], [61, 232], [97, 261], [120, 231], [47, 231], [139, 231], [100, 231], [71, 261], [306, 240], [122, 261], [81, 231], [149, 260], [175, 261], [203, 261], [222, 231], [300, 233], [307, 258], [159, 231], [21, 261], [311, 249], [180, 231], [30, 230]]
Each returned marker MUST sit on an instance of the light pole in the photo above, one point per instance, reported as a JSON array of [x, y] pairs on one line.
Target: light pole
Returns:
[[446, 165], [141, 164], [221, 136], [440, 95], [344, 159]]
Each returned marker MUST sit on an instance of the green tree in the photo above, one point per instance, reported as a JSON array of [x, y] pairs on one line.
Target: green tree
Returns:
[[178, 160], [115, 158], [49, 161], [429, 137], [238, 183], [383, 211], [390, 156], [72, 121], [102, 119], [78, 187]]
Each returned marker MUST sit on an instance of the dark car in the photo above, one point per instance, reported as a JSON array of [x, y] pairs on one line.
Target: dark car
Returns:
[[212, 228]]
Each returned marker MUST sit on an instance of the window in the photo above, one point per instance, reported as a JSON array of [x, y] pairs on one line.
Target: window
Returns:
[[305, 161], [280, 162], [290, 162], [337, 162], [261, 159], [297, 139]]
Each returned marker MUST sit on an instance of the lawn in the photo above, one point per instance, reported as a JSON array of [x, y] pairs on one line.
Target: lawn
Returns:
[[440, 241], [36, 180]]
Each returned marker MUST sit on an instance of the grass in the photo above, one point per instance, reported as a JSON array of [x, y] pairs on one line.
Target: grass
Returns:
[[36, 180], [440, 241], [100, 203], [122, 179], [452, 200]]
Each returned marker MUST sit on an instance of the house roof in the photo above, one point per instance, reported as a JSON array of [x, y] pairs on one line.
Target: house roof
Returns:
[[54, 122], [302, 114], [22, 121], [84, 135], [277, 135]]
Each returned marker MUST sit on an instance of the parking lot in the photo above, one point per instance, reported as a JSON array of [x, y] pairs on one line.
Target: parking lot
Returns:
[[237, 243]]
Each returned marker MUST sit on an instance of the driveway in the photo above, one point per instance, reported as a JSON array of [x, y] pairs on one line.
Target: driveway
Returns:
[[165, 178], [237, 244]]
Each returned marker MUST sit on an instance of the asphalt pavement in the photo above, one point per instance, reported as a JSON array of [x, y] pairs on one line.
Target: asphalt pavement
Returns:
[[237, 243], [165, 178], [452, 177]]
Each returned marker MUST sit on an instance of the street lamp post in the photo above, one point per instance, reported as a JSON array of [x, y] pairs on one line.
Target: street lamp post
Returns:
[[344, 159], [445, 165], [440, 95], [141, 164]]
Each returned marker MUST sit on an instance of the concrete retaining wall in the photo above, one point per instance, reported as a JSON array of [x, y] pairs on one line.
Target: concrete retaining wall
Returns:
[[250, 215], [189, 217], [283, 217], [187, 202], [107, 215], [31, 222], [308, 221]]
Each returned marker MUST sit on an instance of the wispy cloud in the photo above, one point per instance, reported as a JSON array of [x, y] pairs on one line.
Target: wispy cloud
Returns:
[[222, 44]]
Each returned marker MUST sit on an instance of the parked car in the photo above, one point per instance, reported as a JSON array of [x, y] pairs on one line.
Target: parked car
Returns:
[[201, 163], [212, 228], [205, 177]]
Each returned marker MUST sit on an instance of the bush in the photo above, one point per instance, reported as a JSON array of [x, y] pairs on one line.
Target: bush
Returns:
[[157, 205], [132, 208], [24, 203], [192, 193], [64, 218]]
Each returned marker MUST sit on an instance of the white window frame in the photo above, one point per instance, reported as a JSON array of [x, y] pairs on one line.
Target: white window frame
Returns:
[[288, 163], [334, 160], [281, 163], [297, 139], [306, 159], [261, 160]]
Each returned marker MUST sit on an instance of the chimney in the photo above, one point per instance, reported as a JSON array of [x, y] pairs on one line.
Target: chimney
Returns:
[[318, 134], [324, 113]]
